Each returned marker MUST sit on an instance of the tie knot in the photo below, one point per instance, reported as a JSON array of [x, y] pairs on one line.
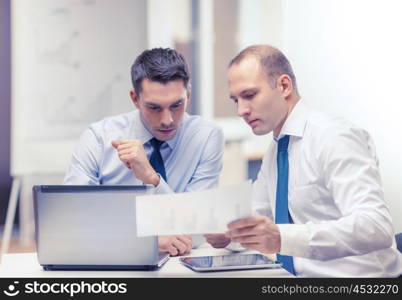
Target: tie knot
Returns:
[[283, 143], [156, 144]]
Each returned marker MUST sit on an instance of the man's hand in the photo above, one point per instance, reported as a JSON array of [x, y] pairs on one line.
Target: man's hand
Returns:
[[175, 244], [257, 233], [217, 240], [132, 154]]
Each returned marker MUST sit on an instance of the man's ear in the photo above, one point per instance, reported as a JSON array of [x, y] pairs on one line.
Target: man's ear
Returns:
[[134, 97], [285, 85], [189, 92]]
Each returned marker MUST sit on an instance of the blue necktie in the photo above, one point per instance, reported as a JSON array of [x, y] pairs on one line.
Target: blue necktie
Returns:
[[156, 160], [282, 212]]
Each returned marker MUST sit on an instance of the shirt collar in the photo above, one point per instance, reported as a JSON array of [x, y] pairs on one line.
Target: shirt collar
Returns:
[[142, 133], [295, 123]]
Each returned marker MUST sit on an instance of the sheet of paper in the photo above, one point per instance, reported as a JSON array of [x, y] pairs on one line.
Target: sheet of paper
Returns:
[[195, 212]]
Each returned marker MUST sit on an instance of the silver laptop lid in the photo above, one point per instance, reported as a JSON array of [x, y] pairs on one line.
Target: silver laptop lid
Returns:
[[91, 225]]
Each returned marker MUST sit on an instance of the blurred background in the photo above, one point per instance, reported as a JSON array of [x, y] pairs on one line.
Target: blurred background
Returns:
[[66, 63]]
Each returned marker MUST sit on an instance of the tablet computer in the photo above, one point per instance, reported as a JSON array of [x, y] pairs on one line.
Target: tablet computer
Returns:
[[229, 262]]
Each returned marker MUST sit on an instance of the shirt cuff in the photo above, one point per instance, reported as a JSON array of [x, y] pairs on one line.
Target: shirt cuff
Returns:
[[294, 239], [163, 187]]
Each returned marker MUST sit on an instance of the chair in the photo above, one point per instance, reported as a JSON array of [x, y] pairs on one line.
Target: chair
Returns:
[[398, 238]]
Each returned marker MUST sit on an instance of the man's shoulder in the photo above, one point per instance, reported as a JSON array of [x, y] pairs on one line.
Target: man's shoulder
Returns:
[[120, 122], [198, 135], [322, 124], [326, 130], [196, 124]]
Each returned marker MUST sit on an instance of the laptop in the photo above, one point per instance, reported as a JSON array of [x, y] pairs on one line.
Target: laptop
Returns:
[[92, 227]]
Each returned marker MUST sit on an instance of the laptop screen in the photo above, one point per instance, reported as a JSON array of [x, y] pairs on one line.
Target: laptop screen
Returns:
[[90, 225]]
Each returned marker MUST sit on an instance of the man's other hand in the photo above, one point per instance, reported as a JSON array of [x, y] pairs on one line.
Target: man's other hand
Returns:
[[175, 244], [218, 240], [257, 233]]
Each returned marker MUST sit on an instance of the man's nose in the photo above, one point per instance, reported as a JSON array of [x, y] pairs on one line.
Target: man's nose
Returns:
[[243, 108], [167, 118]]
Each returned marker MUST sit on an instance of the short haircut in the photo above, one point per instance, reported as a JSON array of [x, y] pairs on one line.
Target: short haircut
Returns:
[[160, 65], [272, 60]]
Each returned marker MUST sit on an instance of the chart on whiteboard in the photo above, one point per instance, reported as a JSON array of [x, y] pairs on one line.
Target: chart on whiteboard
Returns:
[[74, 64]]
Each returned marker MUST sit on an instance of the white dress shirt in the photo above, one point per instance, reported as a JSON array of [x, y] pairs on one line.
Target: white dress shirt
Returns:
[[342, 225]]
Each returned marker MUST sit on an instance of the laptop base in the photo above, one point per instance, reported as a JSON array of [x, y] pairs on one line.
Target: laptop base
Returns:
[[99, 268], [163, 258]]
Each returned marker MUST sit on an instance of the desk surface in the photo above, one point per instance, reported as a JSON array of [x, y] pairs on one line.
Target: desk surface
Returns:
[[26, 265]]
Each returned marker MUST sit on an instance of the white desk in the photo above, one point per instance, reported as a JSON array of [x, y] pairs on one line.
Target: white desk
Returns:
[[26, 265]]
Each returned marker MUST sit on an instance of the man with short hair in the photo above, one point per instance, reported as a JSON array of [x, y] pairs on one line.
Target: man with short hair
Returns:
[[318, 194], [158, 144]]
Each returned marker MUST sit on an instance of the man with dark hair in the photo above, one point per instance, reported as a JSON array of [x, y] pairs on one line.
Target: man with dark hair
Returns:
[[158, 144], [318, 194]]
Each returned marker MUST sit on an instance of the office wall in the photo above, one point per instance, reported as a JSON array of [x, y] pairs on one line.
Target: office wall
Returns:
[[71, 67], [5, 95], [347, 57]]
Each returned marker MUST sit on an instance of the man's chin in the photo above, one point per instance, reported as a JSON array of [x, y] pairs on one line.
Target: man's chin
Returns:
[[260, 131], [165, 136]]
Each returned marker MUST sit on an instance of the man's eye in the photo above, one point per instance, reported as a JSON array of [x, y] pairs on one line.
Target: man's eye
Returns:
[[249, 96], [235, 101], [174, 106], [154, 108]]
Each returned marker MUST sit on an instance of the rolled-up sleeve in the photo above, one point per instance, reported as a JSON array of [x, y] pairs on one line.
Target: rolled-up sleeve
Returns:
[[85, 160]]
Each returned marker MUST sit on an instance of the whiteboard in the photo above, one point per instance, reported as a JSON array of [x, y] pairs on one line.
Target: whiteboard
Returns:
[[71, 63]]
